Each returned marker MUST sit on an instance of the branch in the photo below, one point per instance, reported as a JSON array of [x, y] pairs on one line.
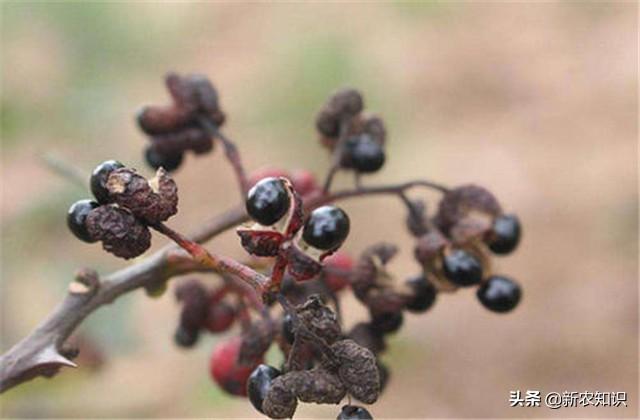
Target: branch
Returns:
[[41, 352]]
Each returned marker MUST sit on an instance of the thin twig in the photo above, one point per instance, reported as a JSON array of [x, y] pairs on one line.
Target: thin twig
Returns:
[[230, 151], [65, 169]]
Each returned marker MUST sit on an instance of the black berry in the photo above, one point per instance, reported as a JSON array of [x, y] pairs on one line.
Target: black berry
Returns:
[[77, 217], [287, 329], [268, 201], [462, 268], [387, 322], [327, 228], [505, 234], [354, 412], [186, 337], [364, 154], [156, 160], [499, 294], [424, 294], [99, 177], [259, 384]]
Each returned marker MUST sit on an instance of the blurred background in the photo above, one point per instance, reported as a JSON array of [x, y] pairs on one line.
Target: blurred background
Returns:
[[536, 101]]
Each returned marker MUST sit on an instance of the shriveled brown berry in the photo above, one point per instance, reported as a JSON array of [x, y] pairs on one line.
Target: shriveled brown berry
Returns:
[[429, 246], [365, 335], [120, 232], [190, 137], [255, 342], [157, 119], [463, 201], [317, 386], [152, 201], [195, 304], [319, 319], [358, 370], [374, 126], [346, 102]]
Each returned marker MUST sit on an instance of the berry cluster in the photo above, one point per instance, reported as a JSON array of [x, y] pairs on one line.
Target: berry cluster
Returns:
[[125, 205], [454, 247], [356, 139], [178, 127], [279, 229], [293, 238]]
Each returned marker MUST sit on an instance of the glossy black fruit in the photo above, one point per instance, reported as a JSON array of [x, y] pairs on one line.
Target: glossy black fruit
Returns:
[[259, 383], [157, 160], [462, 268], [268, 201], [424, 294], [364, 154], [98, 180], [505, 234], [287, 329], [326, 228], [186, 337], [499, 294], [77, 216], [354, 412], [387, 322]]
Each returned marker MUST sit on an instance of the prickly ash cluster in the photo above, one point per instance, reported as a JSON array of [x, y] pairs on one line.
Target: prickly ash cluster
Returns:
[[356, 139], [455, 245], [177, 128], [298, 252], [125, 205]]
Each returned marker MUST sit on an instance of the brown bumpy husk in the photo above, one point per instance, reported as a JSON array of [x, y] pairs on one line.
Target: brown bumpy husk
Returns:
[[135, 193], [120, 232]]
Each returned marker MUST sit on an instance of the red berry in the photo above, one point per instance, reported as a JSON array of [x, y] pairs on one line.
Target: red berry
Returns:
[[221, 316], [225, 369], [304, 181], [337, 271]]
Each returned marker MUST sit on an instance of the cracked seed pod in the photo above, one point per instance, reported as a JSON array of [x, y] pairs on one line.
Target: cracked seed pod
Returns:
[[265, 241], [152, 201], [417, 220], [365, 335], [119, 231], [369, 271], [469, 228], [301, 265], [429, 247], [319, 319], [255, 342], [358, 370], [313, 386], [195, 304], [374, 126], [159, 119], [343, 104], [194, 93], [188, 138], [467, 200]]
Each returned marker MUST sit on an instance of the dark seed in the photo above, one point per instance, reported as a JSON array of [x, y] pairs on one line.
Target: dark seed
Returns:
[[462, 268], [186, 337], [364, 154], [387, 322], [156, 160], [499, 294], [268, 201], [76, 218], [287, 329], [505, 235], [259, 384], [98, 180], [354, 412], [424, 294], [327, 228]]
